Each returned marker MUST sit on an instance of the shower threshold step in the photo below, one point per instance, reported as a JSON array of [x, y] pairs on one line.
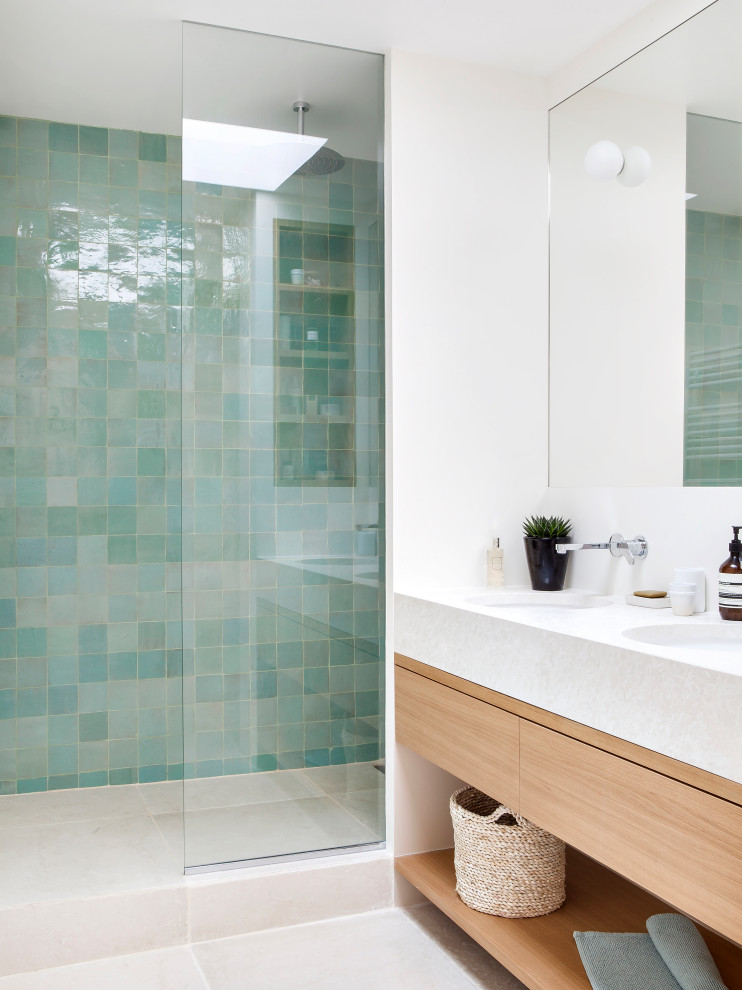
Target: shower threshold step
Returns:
[[100, 871]]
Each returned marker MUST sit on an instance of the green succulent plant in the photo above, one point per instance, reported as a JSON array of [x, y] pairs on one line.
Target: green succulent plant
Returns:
[[547, 527]]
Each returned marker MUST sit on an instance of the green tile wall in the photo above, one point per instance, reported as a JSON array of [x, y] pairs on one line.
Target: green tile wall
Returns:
[[713, 397], [136, 355], [283, 651]]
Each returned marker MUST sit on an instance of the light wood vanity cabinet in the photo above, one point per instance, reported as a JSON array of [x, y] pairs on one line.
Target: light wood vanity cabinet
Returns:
[[461, 734], [657, 832], [681, 843]]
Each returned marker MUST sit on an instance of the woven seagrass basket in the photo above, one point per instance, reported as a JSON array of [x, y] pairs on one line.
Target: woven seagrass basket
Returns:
[[505, 865]]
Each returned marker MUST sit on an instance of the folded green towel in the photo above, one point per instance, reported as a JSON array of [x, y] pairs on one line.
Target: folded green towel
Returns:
[[672, 956], [615, 961], [684, 952]]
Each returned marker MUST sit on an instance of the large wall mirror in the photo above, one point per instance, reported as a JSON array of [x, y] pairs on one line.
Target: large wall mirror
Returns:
[[646, 266]]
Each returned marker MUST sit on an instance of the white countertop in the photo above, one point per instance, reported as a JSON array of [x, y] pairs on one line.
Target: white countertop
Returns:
[[686, 703]]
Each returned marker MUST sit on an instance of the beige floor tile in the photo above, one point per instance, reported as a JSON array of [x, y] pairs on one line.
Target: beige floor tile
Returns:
[[162, 798], [220, 835], [249, 788], [367, 806], [347, 777], [383, 950], [484, 971], [74, 859], [69, 931], [164, 969], [85, 804], [171, 797]]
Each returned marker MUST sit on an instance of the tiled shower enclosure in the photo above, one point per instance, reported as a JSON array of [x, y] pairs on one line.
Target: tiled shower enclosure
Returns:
[[191, 472]]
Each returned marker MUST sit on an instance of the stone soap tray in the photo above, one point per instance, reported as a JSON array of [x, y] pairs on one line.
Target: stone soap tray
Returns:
[[648, 602]]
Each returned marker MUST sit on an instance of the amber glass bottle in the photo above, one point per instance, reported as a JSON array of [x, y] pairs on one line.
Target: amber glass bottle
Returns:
[[730, 581]]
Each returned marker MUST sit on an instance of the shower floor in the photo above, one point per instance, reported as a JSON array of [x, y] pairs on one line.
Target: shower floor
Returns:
[[65, 844]]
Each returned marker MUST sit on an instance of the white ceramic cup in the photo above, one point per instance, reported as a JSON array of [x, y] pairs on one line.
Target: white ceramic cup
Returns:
[[683, 602], [297, 276], [697, 576]]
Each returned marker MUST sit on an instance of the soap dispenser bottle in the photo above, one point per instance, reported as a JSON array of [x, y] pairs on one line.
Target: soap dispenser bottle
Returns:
[[730, 581], [495, 572]]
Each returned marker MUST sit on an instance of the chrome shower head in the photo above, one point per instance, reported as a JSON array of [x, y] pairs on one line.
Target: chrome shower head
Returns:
[[324, 161]]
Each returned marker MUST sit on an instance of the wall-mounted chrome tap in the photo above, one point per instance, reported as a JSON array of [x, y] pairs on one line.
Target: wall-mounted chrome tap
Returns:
[[630, 550]]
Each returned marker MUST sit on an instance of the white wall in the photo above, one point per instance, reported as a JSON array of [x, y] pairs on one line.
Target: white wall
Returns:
[[467, 148], [468, 242], [617, 296], [467, 302], [684, 527]]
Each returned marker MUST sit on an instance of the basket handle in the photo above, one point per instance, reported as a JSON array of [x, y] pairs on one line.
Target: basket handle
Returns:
[[503, 810]]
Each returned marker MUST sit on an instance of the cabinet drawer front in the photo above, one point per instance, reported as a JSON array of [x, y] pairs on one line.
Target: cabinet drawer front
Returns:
[[680, 843], [471, 739]]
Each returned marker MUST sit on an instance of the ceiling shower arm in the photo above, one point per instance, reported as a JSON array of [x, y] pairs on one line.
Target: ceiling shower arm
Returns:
[[301, 108]]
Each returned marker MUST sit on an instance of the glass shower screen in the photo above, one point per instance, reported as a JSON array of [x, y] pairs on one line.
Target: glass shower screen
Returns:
[[283, 489]]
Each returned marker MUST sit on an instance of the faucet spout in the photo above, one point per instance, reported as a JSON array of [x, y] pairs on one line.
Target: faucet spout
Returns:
[[630, 550], [564, 547]]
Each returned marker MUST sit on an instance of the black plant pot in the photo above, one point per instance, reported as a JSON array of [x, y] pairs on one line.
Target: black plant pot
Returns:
[[547, 568]]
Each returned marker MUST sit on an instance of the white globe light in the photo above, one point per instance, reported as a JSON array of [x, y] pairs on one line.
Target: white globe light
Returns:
[[604, 161], [638, 165]]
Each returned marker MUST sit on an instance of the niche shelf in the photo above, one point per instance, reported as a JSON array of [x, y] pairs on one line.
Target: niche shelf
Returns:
[[541, 952], [314, 355]]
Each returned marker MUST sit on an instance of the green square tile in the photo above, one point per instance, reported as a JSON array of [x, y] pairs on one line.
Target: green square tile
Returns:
[[62, 521], [63, 166], [94, 170], [30, 282], [122, 550], [7, 250], [63, 137], [152, 204], [152, 147], [63, 195], [150, 404], [150, 347], [123, 144], [93, 140], [8, 130], [93, 726], [33, 133], [7, 160], [33, 163], [10, 222], [122, 172], [8, 191]]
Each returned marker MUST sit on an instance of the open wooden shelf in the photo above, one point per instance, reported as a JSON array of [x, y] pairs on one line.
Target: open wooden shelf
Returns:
[[541, 952]]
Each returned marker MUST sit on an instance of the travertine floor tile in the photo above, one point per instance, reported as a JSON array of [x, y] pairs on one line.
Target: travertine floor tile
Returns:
[[164, 969], [382, 950]]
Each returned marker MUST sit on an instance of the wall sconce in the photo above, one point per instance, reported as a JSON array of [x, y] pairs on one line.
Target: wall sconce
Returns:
[[605, 161]]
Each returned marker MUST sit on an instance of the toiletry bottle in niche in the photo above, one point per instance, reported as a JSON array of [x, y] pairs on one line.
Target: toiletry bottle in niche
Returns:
[[495, 572], [730, 581]]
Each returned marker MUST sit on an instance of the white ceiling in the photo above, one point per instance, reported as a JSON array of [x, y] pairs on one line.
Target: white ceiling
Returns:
[[237, 77], [697, 65], [117, 62]]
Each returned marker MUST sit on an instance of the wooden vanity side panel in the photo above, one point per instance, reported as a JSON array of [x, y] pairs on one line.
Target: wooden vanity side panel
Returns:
[[645, 826], [471, 739]]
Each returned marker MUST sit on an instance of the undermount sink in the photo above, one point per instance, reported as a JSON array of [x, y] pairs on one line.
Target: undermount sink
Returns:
[[727, 638], [541, 599]]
